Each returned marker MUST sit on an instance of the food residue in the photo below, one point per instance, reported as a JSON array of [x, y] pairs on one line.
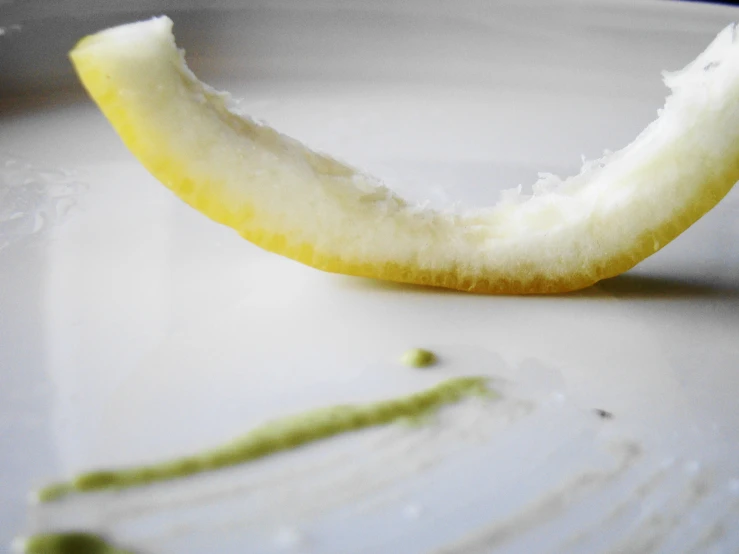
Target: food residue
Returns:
[[276, 436], [418, 357], [69, 543]]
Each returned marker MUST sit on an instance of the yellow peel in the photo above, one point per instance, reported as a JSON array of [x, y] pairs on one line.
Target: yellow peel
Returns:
[[309, 207]]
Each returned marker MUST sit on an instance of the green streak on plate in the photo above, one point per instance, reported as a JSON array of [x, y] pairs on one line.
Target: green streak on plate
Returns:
[[276, 436]]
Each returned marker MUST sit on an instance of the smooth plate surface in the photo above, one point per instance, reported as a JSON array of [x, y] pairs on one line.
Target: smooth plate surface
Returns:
[[133, 329]]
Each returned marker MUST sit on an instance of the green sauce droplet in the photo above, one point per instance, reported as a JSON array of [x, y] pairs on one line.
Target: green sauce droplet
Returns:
[[70, 543], [418, 357], [279, 435]]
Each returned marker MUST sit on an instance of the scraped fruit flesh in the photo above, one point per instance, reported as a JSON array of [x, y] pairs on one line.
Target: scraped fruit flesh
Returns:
[[287, 199]]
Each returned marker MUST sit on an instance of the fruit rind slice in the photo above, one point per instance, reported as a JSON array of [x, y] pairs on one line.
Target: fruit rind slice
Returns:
[[312, 208]]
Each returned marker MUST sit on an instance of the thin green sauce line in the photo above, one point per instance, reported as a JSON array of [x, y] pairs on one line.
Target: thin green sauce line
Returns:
[[277, 436], [69, 543]]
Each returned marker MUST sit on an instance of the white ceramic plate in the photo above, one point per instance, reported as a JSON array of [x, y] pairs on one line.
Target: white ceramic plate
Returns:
[[133, 329]]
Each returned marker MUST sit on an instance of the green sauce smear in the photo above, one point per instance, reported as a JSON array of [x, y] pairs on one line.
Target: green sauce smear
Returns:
[[276, 436], [70, 543]]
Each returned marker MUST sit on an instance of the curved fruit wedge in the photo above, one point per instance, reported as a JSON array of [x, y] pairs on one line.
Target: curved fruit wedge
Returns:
[[309, 207]]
